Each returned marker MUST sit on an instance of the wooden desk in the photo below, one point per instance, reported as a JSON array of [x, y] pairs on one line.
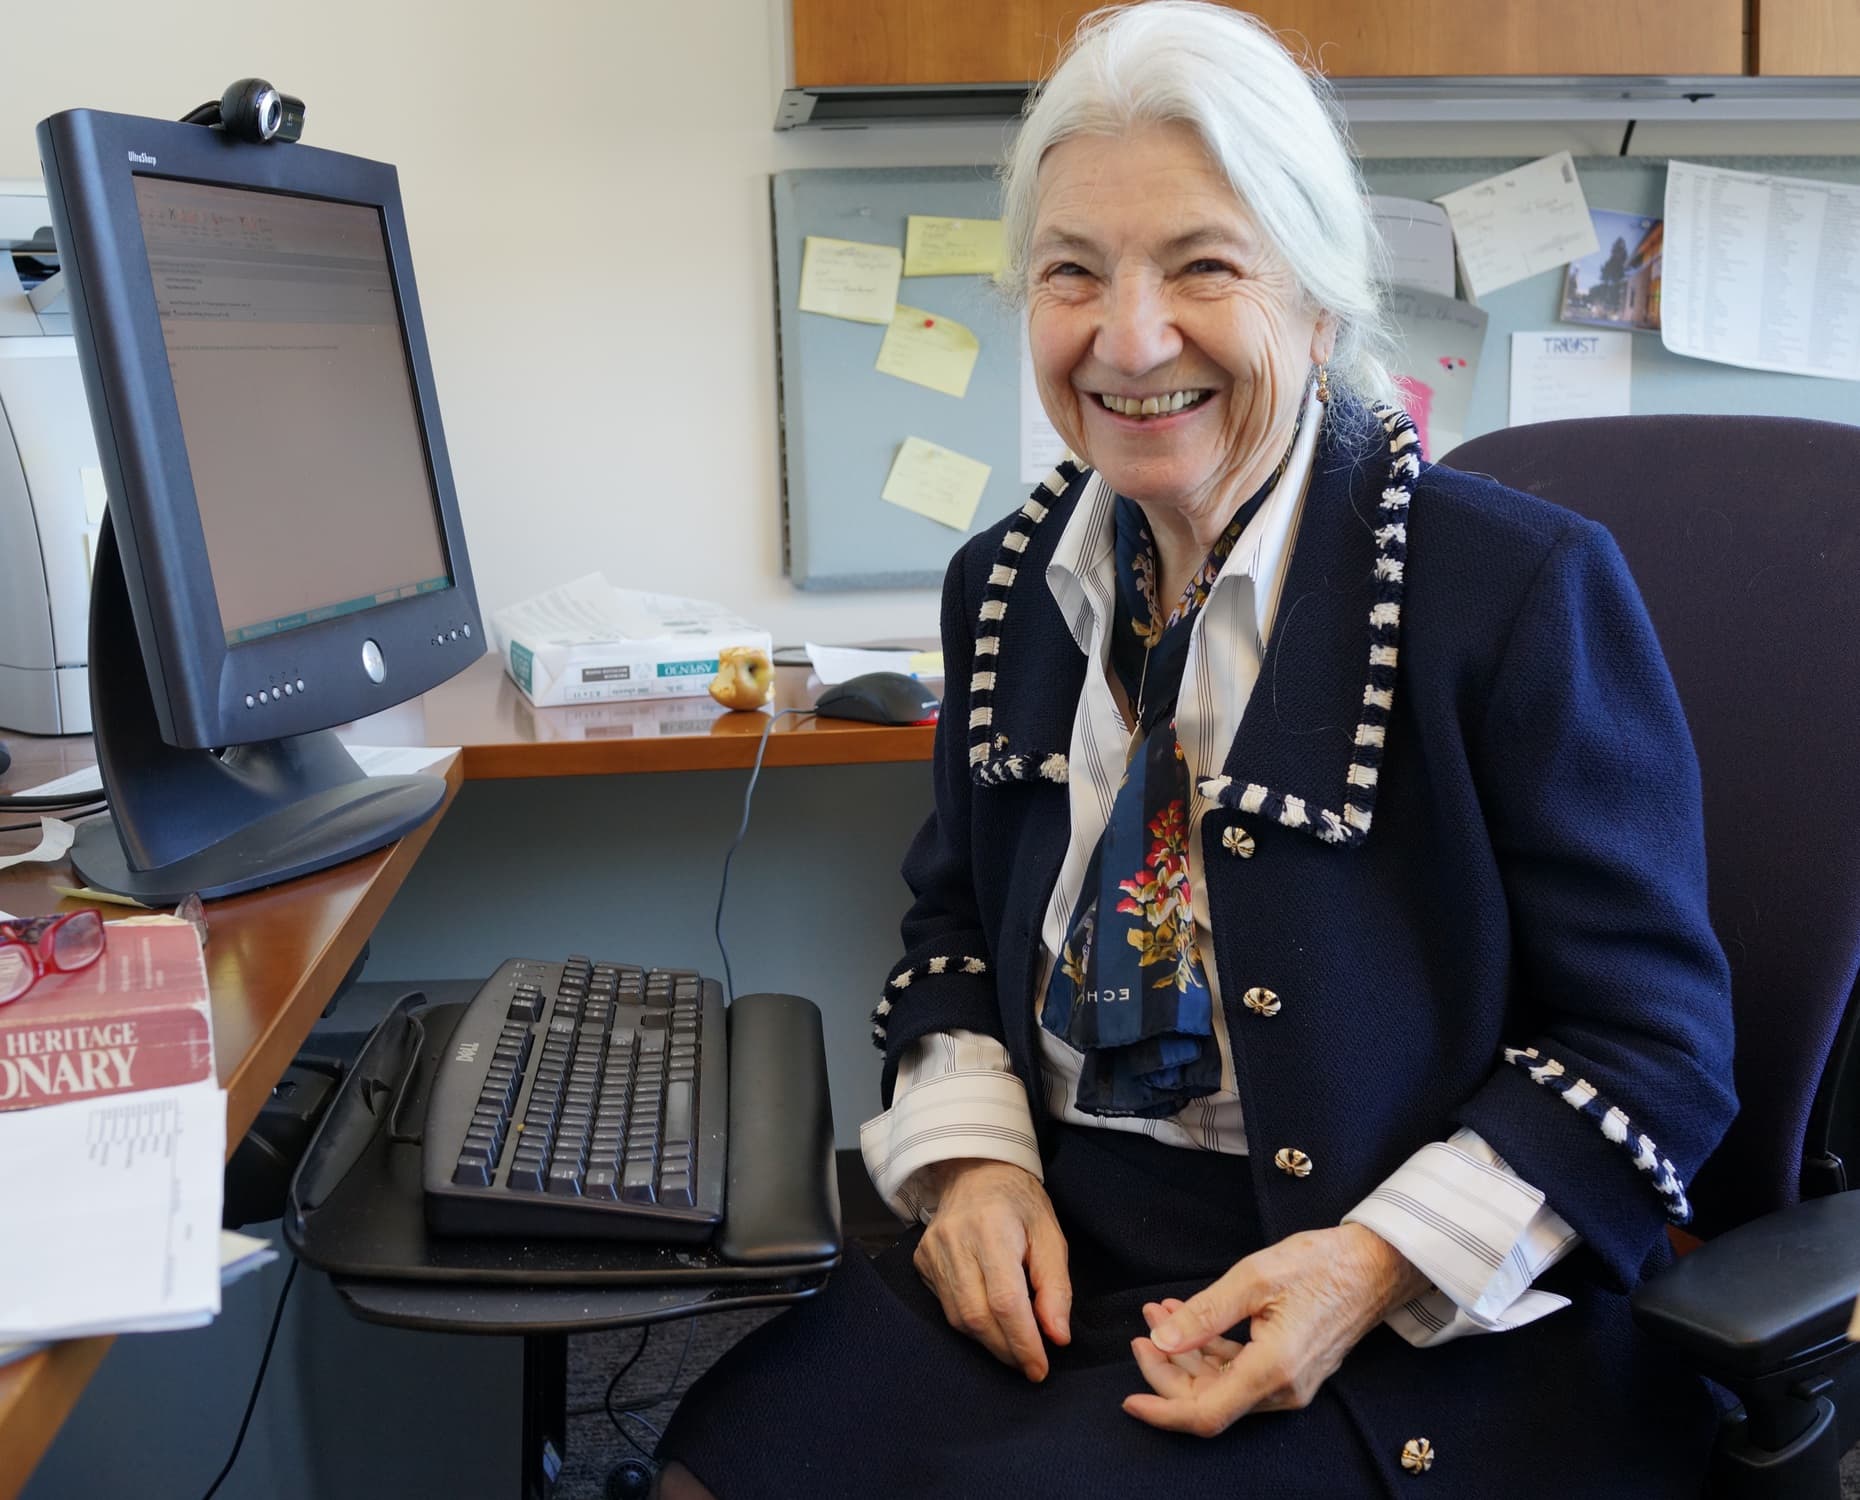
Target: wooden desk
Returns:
[[274, 958], [501, 735]]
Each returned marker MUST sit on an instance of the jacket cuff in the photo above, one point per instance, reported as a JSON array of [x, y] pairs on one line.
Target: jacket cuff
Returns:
[[947, 985]]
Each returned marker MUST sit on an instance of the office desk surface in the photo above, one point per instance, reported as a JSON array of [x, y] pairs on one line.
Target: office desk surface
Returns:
[[502, 735], [274, 958]]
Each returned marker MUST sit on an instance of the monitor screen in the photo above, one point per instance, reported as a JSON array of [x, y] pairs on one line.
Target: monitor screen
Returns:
[[296, 402]]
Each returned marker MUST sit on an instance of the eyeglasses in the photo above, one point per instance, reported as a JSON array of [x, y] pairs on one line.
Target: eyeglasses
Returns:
[[31, 949]]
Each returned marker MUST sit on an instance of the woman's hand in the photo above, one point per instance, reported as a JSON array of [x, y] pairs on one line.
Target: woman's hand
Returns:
[[1310, 1297], [994, 1234]]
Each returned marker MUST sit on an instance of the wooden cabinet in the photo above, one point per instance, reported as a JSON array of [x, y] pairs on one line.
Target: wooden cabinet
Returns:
[[880, 42], [1798, 38]]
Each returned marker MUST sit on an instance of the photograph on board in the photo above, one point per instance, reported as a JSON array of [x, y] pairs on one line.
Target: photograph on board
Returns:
[[1619, 285]]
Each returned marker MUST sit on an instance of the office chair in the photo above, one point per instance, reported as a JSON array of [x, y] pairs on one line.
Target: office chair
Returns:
[[1744, 536]]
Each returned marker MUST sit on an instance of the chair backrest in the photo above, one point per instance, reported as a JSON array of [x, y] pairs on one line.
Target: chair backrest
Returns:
[[1744, 536]]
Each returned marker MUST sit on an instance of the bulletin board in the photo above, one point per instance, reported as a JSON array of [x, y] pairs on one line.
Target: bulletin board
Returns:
[[842, 422]]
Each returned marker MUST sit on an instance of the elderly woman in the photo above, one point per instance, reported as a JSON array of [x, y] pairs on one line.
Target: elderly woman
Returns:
[[1308, 1018]]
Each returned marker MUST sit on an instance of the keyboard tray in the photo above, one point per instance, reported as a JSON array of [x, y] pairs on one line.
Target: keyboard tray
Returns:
[[356, 1207]]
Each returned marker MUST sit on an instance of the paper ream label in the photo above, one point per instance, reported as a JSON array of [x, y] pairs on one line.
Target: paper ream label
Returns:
[[707, 668], [521, 659]]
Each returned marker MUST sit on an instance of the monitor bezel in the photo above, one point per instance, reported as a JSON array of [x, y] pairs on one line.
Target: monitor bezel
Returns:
[[200, 684]]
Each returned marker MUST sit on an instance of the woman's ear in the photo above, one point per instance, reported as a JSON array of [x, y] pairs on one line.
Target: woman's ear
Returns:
[[1323, 339]]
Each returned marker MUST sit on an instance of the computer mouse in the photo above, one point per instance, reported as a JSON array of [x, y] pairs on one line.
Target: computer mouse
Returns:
[[879, 698]]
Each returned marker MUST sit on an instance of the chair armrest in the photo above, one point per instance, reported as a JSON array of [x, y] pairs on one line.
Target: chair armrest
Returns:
[[1769, 1297]]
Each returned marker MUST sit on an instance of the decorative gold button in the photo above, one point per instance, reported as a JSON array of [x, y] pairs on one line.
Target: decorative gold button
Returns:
[[1291, 1160], [1417, 1455], [1236, 840], [1261, 1002]]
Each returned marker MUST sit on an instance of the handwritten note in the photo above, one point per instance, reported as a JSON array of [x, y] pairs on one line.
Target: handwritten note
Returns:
[[936, 482], [1438, 363], [1555, 376], [1041, 446], [951, 247], [850, 279], [929, 349], [1514, 225]]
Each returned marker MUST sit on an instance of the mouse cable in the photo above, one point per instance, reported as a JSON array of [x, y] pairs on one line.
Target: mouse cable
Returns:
[[636, 1407], [26, 802], [729, 983], [258, 1382]]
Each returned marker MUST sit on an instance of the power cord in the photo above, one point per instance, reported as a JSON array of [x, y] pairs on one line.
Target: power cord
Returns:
[[258, 1382], [749, 792], [636, 1408]]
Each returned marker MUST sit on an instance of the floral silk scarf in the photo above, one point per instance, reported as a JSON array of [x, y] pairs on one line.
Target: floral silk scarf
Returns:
[[1129, 990]]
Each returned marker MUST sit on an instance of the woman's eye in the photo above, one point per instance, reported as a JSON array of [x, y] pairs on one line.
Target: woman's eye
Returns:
[[1209, 268], [1068, 268]]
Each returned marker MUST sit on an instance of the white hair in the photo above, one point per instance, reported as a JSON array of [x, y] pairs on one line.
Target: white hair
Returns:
[[1270, 128]]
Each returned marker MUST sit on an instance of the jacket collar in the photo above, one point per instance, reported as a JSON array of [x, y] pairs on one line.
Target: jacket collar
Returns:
[[1313, 761]]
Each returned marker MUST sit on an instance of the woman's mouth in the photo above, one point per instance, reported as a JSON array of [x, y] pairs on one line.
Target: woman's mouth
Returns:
[[1148, 408]]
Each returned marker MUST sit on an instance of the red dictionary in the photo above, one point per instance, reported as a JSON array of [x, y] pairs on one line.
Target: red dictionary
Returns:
[[136, 1019]]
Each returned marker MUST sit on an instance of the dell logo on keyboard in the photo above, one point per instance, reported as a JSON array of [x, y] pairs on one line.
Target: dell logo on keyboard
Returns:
[[466, 1053]]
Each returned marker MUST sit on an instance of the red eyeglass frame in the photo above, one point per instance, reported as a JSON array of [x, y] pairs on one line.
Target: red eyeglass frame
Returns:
[[36, 937]]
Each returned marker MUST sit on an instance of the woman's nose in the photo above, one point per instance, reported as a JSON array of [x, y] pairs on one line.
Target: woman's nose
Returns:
[[1138, 332]]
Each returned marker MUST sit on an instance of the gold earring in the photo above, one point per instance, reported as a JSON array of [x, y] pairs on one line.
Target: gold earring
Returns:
[[1323, 386]]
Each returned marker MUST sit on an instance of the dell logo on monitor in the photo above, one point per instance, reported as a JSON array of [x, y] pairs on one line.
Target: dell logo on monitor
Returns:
[[142, 157]]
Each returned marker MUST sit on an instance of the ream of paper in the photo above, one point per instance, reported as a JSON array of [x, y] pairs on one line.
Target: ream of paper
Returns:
[[1420, 243], [850, 279], [936, 482], [1557, 375], [951, 247], [1514, 225], [1762, 271], [1440, 343], [1041, 446], [1619, 285], [929, 349]]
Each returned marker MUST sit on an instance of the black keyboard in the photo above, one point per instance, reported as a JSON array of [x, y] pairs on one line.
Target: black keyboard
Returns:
[[585, 1100]]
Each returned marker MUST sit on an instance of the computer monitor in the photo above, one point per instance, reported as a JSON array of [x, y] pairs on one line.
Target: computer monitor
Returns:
[[282, 550]]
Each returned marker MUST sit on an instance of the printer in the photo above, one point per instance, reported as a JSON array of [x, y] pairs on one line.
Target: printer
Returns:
[[51, 487]]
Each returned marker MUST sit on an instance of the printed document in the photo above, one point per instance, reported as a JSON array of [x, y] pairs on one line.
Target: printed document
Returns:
[[1420, 243], [1556, 375], [1041, 446], [1762, 271], [113, 1213], [1516, 224]]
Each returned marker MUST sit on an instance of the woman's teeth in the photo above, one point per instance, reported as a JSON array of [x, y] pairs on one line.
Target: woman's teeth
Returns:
[[1153, 406]]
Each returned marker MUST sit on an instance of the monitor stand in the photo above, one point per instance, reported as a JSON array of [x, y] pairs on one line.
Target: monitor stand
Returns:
[[216, 822]]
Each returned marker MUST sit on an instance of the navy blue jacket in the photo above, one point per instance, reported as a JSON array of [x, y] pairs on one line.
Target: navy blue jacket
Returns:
[[1506, 928]]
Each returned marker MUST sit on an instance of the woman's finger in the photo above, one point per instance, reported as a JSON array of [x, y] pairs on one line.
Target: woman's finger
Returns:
[[1218, 1351], [1004, 1279], [1212, 1311], [1165, 1374]]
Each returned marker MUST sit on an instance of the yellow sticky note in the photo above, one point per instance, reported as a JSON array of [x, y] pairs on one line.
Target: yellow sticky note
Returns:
[[850, 279], [951, 247], [927, 663], [930, 349], [936, 482]]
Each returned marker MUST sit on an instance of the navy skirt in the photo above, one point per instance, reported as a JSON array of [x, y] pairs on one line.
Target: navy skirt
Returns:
[[865, 1391]]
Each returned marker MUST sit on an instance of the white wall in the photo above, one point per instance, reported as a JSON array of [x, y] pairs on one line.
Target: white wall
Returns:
[[586, 185]]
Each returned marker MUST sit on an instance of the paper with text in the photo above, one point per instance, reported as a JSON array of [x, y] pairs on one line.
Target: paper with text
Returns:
[[929, 349], [1558, 375], [834, 664], [1419, 241], [951, 247], [114, 1213], [1518, 223], [1762, 271], [1440, 341], [850, 279], [936, 482], [1041, 446]]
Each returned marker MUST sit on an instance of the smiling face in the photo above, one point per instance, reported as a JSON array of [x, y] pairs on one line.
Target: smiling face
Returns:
[[1171, 344]]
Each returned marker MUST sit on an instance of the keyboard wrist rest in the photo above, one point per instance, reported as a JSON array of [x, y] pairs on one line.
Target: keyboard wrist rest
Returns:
[[781, 1195]]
